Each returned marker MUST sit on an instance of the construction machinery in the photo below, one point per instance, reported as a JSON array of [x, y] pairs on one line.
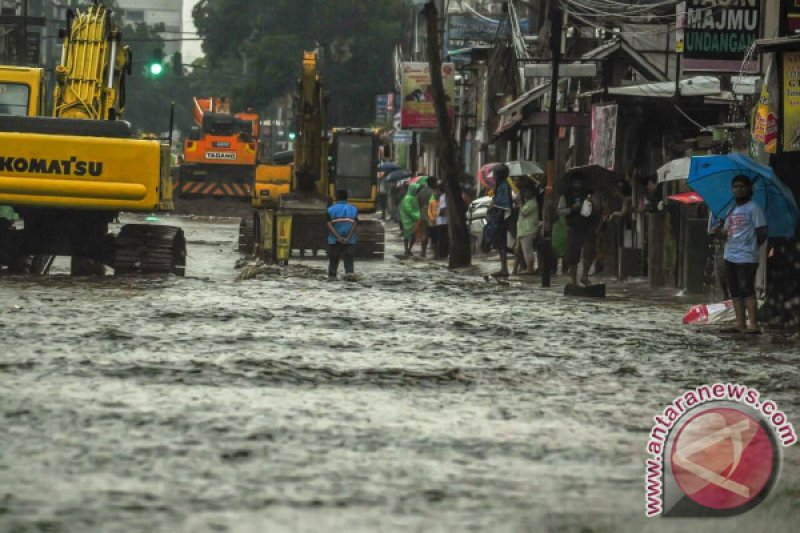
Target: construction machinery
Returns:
[[354, 167], [219, 160], [285, 221], [70, 175]]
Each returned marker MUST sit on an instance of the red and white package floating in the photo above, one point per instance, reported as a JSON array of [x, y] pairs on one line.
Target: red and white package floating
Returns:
[[705, 313]]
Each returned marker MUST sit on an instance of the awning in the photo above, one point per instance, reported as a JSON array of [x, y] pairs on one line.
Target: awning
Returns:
[[778, 44], [511, 114], [695, 86]]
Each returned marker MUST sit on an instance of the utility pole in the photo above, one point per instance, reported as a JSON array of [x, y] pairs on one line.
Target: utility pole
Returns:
[[460, 254], [25, 53], [555, 51]]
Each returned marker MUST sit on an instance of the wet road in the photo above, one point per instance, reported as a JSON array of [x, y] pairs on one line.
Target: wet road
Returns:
[[413, 399]]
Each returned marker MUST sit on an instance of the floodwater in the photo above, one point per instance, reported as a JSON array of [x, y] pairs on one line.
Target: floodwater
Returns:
[[413, 399]]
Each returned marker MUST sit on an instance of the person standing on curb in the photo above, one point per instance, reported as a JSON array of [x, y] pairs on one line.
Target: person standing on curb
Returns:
[[528, 225], [424, 197], [410, 216], [745, 229], [502, 203], [342, 222], [582, 211], [433, 212]]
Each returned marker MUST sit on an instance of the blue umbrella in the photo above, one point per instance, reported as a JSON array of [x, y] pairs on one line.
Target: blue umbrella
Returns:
[[711, 177], [388, 166]]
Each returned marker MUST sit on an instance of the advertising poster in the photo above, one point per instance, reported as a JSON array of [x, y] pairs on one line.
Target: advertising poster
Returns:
[[791, 102], [604, 135], [765, 123], [417, 112]]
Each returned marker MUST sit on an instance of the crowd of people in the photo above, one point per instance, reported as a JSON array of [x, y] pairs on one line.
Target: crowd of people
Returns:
[[582, 216]]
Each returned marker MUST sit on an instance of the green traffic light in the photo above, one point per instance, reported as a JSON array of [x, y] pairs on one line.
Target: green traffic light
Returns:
[[292, 136], [156, 69]]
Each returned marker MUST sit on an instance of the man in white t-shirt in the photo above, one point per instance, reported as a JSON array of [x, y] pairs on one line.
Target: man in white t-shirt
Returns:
[[745, 229]]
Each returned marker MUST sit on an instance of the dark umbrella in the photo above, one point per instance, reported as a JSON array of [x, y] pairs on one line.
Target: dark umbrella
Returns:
[[388, 166], [283, 158], [598, 178], [397, 175]]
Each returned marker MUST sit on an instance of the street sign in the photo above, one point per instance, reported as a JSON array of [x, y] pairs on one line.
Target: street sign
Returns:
[[565, 70], [402, 137]]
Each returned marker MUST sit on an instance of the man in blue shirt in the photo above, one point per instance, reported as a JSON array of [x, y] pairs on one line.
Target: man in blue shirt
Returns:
[[745, 230], [342, 221]]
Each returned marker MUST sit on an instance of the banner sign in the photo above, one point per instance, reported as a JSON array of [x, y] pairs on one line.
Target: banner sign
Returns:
[[718, 33], [604, 135], [470, 28], [417, 112], [791, 102]]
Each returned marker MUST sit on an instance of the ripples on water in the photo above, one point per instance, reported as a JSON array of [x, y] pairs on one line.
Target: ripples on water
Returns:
[[414, 398]]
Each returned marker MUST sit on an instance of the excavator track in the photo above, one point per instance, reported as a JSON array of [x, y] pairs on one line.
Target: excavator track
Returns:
[[149, 249], [371, 243]]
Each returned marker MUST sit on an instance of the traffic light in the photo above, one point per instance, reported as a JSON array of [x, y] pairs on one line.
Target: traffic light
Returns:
[[292, 135], [155, 66], [177, 64]]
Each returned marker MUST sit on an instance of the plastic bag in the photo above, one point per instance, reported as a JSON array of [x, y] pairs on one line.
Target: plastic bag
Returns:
[[586, 208]]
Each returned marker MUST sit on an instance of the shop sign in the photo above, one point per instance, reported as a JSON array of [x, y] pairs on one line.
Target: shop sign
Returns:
[[718, 33]]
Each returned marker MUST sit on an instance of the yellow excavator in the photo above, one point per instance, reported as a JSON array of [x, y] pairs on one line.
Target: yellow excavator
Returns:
[[295, 219], [71, 174]]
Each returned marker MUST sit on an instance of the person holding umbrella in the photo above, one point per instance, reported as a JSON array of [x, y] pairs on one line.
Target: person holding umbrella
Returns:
[[502, 204], [745, 230]]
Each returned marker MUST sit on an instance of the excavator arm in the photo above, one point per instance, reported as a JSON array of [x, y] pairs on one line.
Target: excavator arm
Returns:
[[90, 79], [310, 154]]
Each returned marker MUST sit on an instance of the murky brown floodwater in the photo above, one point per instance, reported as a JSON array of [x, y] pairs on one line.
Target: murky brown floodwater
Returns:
[[414, 399]]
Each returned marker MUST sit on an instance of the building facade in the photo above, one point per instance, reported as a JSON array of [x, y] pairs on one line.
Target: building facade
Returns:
[[155, 12]]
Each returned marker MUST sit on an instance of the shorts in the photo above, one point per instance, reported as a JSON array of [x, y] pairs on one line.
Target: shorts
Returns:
[[576, 240], [741, 279], [500, 235]]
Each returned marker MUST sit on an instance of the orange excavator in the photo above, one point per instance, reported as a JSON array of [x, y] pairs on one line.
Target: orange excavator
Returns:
[[219, 160]]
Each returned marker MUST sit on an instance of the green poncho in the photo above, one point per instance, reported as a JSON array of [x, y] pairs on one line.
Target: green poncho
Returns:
[[409, 210]]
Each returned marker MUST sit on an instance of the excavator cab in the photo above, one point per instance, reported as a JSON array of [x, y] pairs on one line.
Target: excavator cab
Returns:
[[355, 166]]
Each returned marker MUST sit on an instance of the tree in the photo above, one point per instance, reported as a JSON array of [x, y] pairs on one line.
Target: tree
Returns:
[[263, 43]]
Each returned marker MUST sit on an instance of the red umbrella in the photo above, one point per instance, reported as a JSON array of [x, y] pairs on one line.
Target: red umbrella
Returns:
[[485, 176]]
